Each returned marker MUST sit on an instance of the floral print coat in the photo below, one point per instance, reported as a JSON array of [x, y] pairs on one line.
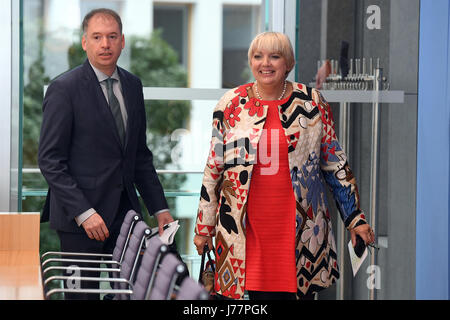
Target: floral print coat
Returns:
[[315, 159]]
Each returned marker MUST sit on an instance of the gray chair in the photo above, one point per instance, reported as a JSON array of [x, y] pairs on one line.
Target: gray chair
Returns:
[[191, 290], [130, 220], [145, 278], [126, 270], [169, 271]]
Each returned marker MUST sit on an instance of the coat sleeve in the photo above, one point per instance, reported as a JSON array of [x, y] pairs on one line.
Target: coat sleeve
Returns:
[[213, 175], [54, 151], [335, 169]]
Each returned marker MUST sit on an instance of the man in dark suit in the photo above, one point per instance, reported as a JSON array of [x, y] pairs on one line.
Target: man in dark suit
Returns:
[[92, 148]]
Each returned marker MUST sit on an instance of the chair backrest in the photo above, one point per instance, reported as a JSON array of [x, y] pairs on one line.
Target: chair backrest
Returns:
[[150, 261], [191, 290], [166, 276], [132, 252], [131, 218]]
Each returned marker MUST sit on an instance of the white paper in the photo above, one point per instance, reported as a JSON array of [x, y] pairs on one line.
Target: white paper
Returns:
[[356, 262], [168, 234]]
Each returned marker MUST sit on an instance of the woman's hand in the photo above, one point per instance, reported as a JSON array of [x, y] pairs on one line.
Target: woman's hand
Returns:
[[365, 232], [200, 242]]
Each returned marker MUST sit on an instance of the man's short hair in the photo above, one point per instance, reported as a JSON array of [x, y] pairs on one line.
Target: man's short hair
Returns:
[[102, 11]]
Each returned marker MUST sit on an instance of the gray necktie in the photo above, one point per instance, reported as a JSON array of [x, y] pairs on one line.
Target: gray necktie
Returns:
[[115, 109]]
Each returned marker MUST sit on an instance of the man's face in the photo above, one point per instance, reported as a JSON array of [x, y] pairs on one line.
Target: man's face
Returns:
[[103, 42]]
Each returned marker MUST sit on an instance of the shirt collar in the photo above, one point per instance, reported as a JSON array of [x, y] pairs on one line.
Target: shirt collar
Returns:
[[101, 76]]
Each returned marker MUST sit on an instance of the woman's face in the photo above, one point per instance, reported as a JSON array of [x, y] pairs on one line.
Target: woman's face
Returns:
[[268, 68]]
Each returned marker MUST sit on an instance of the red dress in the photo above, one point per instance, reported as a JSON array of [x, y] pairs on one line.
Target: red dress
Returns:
[[270, 225]]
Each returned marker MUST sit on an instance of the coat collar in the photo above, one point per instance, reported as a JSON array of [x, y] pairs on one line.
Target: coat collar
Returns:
[[102, 76]]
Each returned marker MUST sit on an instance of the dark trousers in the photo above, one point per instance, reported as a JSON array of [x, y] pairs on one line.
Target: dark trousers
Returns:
[[266, 295], [80, 242]]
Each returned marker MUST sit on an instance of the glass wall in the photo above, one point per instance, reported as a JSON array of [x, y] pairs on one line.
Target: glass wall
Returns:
[[361, 36], [201, 47], [183, 44], [240, 25], [172, 22]]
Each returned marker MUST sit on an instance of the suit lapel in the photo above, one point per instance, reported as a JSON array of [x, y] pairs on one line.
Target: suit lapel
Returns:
[[93, 88]]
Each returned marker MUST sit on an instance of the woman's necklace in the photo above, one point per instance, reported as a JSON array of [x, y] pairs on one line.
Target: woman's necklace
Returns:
[[282, 93]]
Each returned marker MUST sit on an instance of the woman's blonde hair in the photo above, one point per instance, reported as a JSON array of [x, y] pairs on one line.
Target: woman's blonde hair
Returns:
[[273, 42]]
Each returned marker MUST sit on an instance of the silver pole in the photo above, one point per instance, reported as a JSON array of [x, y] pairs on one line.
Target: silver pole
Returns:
[[374, 169], [344, 135]]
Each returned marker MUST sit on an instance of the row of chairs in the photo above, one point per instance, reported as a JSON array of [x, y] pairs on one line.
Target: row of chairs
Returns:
[[142, 268]]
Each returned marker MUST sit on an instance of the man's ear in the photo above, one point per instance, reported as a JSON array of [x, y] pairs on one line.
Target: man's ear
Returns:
[[123, 41], [83, 42]]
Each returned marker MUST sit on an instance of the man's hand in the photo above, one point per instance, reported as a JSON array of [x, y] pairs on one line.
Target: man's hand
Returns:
[[95, 227], [163, 219]]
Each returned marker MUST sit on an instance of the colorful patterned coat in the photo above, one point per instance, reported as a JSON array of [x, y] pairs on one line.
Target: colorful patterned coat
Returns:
[[315, 157]]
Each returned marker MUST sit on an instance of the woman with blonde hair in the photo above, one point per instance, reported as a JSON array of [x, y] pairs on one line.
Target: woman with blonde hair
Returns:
[[263, 199]]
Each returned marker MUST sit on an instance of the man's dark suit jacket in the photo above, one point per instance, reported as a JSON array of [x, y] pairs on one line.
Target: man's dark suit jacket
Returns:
[[80, 154]]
